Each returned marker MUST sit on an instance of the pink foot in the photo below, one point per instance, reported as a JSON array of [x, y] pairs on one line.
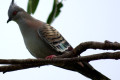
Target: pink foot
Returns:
[[50, 57]]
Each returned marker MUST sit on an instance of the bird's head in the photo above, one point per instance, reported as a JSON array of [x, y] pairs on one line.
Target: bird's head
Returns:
[[14, 12]]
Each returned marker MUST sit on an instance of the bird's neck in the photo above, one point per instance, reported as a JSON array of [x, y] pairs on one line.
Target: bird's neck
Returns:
[[24, 21], [28, 24], [23, 18]]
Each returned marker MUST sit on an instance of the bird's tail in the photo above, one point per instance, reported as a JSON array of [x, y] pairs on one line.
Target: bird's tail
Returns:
[[85, 69]]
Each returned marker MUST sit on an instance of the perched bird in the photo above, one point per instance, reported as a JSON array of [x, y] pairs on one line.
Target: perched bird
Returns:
[[43, 40]]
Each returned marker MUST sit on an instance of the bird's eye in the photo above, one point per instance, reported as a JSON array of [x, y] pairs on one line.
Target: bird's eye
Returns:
[[14, 13]]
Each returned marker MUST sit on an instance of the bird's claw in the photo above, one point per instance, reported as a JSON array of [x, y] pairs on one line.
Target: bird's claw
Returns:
[[50, 57]]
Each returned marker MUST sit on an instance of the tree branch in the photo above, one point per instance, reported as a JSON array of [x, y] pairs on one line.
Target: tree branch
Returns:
[[107, 45], [15, 64]]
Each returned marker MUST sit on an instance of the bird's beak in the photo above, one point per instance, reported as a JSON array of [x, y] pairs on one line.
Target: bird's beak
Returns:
[[9, 20]]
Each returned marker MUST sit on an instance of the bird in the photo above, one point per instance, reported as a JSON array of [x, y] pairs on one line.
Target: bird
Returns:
[[44, 41]]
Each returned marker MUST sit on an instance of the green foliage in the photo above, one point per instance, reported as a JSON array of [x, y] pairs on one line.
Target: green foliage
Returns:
[[32, 5], [59, 6], [55, 11]]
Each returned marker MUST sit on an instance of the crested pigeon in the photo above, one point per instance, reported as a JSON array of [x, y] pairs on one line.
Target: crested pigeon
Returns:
[[43, 40]]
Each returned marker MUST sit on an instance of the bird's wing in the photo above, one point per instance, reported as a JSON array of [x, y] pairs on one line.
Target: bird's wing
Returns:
[[52, 37]]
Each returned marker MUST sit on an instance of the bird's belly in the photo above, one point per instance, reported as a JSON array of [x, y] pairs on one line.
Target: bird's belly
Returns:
[[38, 48]]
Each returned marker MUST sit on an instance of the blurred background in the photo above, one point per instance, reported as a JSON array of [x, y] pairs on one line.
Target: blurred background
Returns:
[[79, 21]]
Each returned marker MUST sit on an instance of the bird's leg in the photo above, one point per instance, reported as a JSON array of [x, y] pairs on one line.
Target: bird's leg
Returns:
[[50, 57]]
